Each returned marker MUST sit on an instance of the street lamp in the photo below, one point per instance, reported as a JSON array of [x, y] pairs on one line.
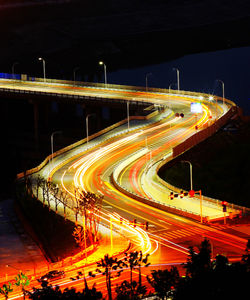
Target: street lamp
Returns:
[[74, 73], [148, 74], [87, 125], [178, 78], [223, 90], [44, 76], [105, 71], [52, 144], [128, 113], [191, 175], [12, 69]]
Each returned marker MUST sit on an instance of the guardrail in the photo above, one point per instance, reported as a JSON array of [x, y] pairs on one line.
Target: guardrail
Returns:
[[194, 140], [81, 142], [205, 96]]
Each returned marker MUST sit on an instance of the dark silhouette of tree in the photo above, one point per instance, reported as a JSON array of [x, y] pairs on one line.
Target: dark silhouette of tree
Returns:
[[110, 267], [213, 280], [123, 290], [48, 292], [132, 261], [198, 263], [164, 281], [6, 289]]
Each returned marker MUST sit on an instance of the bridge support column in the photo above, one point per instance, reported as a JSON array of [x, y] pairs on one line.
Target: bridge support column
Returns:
[[36, 119]]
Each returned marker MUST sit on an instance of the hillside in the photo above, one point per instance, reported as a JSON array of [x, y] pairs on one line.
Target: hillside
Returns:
[[220, 165]]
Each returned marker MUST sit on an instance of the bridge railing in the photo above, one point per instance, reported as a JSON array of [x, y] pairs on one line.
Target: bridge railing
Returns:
[[191, 142], [200, 95]]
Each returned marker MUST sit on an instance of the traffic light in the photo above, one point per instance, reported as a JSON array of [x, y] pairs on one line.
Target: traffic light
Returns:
[[121, 220], [172, 195], [182, 194], [224, 206], [146, 225], [191, 193], [134, 221]]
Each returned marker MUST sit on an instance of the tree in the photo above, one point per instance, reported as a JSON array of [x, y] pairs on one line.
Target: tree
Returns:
[[38, 181], [80, 237], [54, 190], [135, 260], [64, 198], [107, 266], [89, 204], [123, 290], [47, 292], [198, 263], [164, 281], [6, 289], [22, 281]]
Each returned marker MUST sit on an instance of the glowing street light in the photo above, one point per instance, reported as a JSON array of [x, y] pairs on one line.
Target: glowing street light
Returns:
[[44, 76], [178, 78], [105, 71]]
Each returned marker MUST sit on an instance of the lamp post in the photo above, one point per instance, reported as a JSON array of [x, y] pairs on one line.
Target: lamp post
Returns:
[[74, 73], [191, 173], [178, 78], [13, 68], [223, 90], [52, 144], [148, 74], [128, 113], [44, 76], [105, 71], [87, 125]]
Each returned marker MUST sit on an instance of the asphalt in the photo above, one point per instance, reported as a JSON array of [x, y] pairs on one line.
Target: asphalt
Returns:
[[17, 249]]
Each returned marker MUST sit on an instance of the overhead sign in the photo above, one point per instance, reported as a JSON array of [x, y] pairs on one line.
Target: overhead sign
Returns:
[[196, 107]]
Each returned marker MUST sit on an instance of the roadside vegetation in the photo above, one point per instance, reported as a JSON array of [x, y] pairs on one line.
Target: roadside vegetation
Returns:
[[204, 278], [220, 164], [56, 235]]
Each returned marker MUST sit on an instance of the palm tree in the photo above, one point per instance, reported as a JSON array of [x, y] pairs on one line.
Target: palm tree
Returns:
[[135, 260], [107, 265]]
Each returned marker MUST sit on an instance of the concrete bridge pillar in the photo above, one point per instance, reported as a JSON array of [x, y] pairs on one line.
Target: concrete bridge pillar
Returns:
[[36, 120]]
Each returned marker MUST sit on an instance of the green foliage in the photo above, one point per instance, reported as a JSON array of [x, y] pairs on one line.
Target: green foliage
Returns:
[[6, 289], [22, 280]]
